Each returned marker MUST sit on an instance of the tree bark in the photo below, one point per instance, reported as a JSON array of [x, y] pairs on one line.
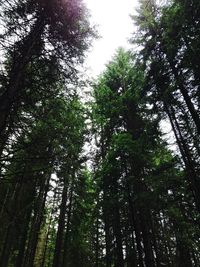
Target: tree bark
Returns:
[[37, 221], [57, 260], [188, 161]]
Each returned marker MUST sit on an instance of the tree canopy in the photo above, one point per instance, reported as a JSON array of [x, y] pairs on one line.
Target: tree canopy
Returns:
[[99, 183]]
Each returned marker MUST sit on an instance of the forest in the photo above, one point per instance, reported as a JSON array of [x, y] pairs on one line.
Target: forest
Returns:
[[95, 181]]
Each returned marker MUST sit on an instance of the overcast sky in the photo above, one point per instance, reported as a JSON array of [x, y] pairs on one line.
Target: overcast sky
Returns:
[[114, 26]]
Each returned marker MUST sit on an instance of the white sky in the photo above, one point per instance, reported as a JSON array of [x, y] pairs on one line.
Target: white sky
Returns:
[[114, 26]]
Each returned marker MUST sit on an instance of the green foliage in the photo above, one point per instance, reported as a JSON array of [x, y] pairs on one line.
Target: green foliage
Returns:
[[132, 201]]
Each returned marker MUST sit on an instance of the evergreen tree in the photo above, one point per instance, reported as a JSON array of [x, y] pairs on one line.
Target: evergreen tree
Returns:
[[95, 184], [138, 172]]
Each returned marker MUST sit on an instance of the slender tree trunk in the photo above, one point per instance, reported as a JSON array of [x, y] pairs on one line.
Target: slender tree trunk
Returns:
[[7, 245], [117, 225], [107, 223], [134, 221], [183, 254], [22, 246], [188, 161], [57, 260], [11, 228], [48, 231], [136, 228], [69, 213], [37, 221], [147, 239], [97, 243], [131, 257], [118, 235], [5, 200]]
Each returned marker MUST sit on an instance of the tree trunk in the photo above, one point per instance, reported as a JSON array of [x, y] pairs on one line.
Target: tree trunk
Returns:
[[57, 260], [37, 220], [117, 224], [107, 223], [147, 239], [69, 213], [188, 161], [136, 228]]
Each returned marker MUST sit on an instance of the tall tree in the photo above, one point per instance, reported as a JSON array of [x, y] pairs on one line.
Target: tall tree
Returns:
[[131, 167], [51, 31], [170, 81]]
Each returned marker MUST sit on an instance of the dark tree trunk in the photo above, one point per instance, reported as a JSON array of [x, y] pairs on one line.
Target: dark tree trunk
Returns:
[[7, 245], [57, 260], [97, 247], [147, 239], [136, 228], [183, 255], [69, 213], [48, 231], [188, 161], [12, 230], [23, 239], [118, 235], [108, 237], [36, 223]]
